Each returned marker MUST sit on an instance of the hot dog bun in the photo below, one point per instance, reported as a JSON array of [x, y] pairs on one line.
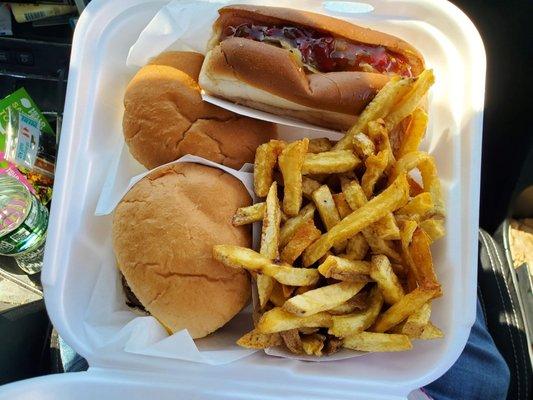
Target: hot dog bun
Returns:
[[268, 78]]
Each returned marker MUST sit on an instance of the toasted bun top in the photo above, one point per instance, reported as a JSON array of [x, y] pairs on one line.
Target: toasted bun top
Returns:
[[236, 14], [164, 231], [166, 118]]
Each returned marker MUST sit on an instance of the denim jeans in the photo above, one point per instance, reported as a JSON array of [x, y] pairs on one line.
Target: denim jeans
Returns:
[[479, 373]]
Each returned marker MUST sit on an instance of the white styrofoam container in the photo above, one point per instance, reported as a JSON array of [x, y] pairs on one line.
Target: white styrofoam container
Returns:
[[91, 140]]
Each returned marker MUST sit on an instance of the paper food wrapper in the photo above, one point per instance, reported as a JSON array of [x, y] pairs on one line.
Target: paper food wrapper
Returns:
[[181, 25], [185, 25]]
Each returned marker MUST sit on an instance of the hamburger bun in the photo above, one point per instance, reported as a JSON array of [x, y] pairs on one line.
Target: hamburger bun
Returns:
[[164, 230], [166, 118]]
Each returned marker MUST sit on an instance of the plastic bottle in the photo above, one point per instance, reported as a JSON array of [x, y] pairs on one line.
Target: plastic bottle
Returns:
[[23, 224]]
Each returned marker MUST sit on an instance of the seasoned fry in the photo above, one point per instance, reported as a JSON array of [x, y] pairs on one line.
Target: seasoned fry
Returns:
[[241, 257], [313, 344], [293, 224], [356, 247], [309, 186], [414, 325], [330, 162], [358, 302], [392, 198], [322, 299], [379, 107], [342, 205], [303, 237], [375, 166], [344, 325], [363, 145], [278, 320], [386, 228], [399, 311], [370, 341], [422, 261], [292, 341], [414, 134], [249, 215], [389, 284], [343, 269], [326, 207], [417, 207], [411, 100], [319, 145], [434, 228], [266, 157], [290, 164], [258, 340]]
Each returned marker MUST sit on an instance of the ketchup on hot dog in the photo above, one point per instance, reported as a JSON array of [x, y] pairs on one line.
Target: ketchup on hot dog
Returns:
[[324, 52]]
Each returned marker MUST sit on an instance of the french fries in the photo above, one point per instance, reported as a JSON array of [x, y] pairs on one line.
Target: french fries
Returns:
[[389, 284], [241, 257], [301, 239], [249, 215], [362, 269], [290, 162], [370, 341], [346, 270], [345, 325], [279, 320], [330, 162], [322, 299], [266, 157]]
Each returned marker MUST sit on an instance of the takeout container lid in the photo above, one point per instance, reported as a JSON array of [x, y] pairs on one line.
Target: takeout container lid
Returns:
[[91, 135]]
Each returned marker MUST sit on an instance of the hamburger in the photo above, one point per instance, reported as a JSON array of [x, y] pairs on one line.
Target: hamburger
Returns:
[[300, 64], [166, 118], [164, 230]]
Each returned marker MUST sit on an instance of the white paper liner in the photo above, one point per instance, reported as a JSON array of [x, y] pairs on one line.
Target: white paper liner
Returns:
[[185, 25]]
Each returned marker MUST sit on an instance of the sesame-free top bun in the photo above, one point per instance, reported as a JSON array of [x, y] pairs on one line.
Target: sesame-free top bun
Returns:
[[166, 118], [164, 231]]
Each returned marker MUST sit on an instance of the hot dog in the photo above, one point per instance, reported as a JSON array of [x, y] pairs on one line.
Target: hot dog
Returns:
[[300, 64]]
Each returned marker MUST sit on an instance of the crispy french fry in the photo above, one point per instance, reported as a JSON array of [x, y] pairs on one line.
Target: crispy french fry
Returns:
[[303, 289], [249, 215], [375, 167], [292, 341], [266, 157], [330, 162], [303, 237], [358, 302], [392, 198], [414, 134], [293, 224], [343, 269], [309, 186], [411, 100], [380, 135], [271, 220], [258, 340], [380, 246], [371, 341], [379, 107], [356, 247], [319, 145], [326, 207], [278, 320], [277, 297], [434, 228], [414, 187], [344, 325], [342, 205], [431, 332], [414, 325], [353, 193], [418, 206], [313, 344], [401, 310], [241, 257], [399, 270], [287, 290], [389, 284], [290, 164], [422, 261], [265, 284], [363, 145], [386, 228], [322, 299]]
